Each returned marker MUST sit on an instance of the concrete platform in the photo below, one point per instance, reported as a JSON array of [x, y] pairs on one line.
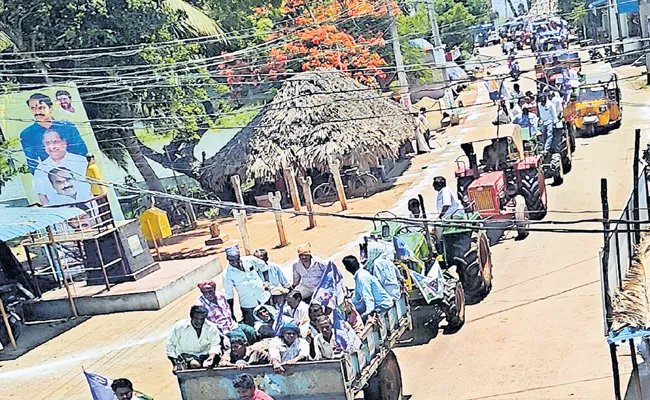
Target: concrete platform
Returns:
[[153, 292]]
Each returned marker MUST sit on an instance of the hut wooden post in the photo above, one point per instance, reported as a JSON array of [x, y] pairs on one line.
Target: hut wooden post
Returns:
[[290, 178], [5, 320], [275, 200], [240, 217], [309, 202], [236, 184], [335, 165]]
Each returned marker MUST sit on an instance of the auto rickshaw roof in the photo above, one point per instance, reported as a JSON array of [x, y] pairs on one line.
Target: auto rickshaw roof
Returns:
[[488, 133], [600, 79]]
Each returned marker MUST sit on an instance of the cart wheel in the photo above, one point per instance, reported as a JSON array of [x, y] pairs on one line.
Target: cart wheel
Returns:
[[386, 383]]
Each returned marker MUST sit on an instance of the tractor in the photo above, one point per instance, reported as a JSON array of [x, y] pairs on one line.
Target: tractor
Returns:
[[560, 161], [506, 188]]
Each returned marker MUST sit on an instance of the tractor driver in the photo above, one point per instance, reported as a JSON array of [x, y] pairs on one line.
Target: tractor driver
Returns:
[[495, 154], [447, 203]]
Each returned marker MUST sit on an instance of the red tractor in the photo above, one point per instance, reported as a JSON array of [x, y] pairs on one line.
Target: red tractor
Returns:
[[506, 187]]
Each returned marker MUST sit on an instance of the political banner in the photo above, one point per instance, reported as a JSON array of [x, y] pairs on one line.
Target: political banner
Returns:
[[431, 285], [331, 291], [49, 131]]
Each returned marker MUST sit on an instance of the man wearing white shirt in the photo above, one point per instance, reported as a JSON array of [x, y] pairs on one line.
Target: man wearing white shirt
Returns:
[[447, 201], [60, 158], [194, 342]]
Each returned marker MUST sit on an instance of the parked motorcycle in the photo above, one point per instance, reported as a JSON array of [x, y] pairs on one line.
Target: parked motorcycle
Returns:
[[13, 296]]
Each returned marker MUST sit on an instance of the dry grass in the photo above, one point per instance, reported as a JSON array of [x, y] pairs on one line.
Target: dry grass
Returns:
[[314, 116], [631, 306]]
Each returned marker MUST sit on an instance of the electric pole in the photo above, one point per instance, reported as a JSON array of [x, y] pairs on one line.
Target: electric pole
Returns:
[[405, 94], [438, 51]]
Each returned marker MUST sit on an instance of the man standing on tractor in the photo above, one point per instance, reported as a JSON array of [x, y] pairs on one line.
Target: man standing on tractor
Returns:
[[527, 120], [447, 201], [548, 116]]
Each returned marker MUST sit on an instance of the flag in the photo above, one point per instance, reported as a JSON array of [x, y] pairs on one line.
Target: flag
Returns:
[[100, 387], [278, 320], [344, 336], [432, 285], [330, 291]]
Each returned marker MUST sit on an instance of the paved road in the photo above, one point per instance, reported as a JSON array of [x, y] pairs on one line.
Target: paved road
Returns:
[[539, 334]]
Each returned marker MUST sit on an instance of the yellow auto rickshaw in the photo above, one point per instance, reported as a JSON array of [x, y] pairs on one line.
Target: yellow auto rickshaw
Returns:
[[596, 106]]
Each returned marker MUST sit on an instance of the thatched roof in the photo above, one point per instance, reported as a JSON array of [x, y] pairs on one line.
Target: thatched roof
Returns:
[[314, 115]]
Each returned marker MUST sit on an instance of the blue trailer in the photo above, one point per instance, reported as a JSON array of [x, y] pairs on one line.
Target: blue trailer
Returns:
[[373, 370]]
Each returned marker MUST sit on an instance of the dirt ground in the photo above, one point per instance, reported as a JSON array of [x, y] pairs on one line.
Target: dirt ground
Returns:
[[538, 335]]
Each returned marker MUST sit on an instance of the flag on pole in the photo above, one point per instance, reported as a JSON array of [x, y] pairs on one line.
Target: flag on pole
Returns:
[[330, 291], [100, 387]]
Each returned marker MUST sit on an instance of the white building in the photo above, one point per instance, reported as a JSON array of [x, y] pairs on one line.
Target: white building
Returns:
[[504, 7]]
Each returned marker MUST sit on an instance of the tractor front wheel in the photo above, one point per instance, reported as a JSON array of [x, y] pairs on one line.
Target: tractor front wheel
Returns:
[[565, 152], [453, 303], [532, 191]]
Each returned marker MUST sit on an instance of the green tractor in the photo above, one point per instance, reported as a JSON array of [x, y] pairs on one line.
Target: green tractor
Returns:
[[461, 246]]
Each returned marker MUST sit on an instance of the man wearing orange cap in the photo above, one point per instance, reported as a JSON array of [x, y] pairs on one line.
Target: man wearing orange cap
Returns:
[[307, 272]]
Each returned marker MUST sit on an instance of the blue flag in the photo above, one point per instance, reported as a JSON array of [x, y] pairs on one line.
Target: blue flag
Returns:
[[331, 291], [344, 336], [100, 387]]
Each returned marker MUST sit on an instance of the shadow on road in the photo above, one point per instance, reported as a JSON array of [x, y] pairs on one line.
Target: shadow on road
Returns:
[[36, 334], [531, 302], [538, 388]]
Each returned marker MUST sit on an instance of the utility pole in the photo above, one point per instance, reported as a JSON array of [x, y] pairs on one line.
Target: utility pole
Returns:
[[405, 94], [438, 50]]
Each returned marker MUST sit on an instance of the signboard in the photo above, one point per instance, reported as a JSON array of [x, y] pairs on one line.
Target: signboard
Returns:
[[52, 137]]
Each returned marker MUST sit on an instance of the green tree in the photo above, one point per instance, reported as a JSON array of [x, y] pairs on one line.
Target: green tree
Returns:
[[166, 86]]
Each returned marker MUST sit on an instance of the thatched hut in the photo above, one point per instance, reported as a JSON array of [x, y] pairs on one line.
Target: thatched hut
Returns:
[[314, 116]]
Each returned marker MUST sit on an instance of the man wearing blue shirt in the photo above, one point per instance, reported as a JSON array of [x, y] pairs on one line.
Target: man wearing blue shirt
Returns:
[[527, 120], [548, 116], [369, 297], [31, 138], [244, 274]]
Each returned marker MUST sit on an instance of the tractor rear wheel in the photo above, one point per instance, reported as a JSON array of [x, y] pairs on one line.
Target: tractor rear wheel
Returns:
[[386, 383], [453, 303], [471, 255], [532, 192]]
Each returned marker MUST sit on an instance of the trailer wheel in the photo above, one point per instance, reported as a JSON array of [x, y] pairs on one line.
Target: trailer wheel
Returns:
[[386, 383]]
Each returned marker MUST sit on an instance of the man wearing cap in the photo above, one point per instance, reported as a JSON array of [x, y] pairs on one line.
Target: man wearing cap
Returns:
[[307, 272], [219, 312], [289, 348], [244, 274]]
